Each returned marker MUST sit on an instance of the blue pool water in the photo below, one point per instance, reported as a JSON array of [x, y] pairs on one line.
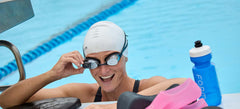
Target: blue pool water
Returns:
[[160, 35]]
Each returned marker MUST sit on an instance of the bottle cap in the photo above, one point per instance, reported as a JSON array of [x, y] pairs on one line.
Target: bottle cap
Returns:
[[199, 50]]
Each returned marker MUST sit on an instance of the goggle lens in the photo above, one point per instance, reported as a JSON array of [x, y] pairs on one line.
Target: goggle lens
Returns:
[[113, 59], [93, 64]]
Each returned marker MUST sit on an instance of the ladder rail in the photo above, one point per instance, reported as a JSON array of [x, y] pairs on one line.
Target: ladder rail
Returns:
[[16, 53]]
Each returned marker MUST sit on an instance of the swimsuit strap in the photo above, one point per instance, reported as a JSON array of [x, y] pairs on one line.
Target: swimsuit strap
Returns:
[[136, 86], [98, 96]]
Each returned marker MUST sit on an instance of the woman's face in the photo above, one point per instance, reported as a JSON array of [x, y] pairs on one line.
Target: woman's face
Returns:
[[108, 77]]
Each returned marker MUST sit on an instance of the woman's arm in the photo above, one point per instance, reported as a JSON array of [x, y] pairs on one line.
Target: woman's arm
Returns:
[[22, 91], [161, 86]]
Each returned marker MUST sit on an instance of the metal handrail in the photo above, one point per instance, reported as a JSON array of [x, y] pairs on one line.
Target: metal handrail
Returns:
[[18, 60]]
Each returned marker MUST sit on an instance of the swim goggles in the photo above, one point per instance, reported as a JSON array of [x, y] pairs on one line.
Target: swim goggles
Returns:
[[112, 59]]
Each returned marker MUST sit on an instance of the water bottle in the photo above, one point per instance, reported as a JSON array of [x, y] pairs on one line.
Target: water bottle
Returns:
[[205, 74]]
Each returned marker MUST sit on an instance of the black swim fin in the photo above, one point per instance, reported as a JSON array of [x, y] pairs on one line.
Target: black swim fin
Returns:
[[131, 100], [53, 103]]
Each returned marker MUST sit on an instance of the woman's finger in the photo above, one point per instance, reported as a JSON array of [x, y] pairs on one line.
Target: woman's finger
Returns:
[[79, 56], [72, 60]]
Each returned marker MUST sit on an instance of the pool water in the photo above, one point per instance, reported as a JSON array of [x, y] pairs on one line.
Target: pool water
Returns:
[[160, 35]]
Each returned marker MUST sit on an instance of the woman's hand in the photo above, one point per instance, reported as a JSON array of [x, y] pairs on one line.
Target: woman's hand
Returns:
[[102, 106], [64, 68]]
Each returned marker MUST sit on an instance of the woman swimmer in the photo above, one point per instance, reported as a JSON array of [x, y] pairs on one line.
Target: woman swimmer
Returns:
[[105, 48]]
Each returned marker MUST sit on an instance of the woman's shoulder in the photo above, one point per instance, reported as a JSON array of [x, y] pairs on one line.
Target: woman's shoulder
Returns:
[[83, 87], [84, 91], [146, 83]]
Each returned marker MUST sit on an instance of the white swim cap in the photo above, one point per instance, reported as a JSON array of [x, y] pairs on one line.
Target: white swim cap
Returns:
[[104, 36]]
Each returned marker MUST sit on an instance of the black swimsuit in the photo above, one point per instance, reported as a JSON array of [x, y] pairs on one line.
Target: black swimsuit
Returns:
[[98, 96]]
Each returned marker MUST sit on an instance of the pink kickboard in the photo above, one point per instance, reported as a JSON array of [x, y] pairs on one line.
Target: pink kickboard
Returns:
[[197, 105], [177, 97]]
